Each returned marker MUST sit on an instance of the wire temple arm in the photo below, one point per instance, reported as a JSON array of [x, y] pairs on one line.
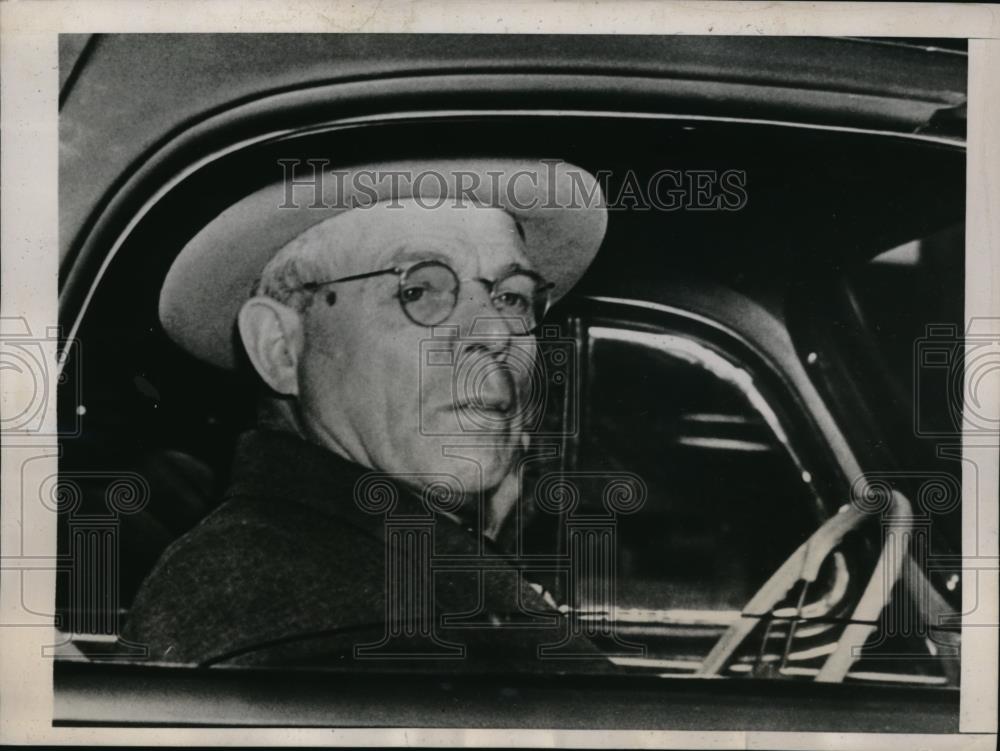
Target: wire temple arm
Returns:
[[313, 286]]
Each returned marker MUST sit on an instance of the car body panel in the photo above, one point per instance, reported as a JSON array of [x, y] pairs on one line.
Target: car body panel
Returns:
[[104, 135], [92, 694]]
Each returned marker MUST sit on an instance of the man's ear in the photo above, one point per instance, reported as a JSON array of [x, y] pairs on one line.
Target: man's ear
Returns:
[[273, 337]]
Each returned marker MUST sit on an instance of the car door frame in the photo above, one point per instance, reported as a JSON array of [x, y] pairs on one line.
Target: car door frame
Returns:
[[754, 339]]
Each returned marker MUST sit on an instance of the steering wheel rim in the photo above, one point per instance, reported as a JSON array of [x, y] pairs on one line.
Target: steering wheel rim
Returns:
[[804, 565]]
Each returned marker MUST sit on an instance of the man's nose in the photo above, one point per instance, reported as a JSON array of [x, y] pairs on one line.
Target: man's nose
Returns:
[[481, 326]]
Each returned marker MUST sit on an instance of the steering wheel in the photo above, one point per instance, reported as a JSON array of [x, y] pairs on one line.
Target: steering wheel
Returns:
[[804, 565]]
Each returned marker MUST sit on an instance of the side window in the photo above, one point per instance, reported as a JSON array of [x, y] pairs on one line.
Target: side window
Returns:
[[913, 335], [727, 503]]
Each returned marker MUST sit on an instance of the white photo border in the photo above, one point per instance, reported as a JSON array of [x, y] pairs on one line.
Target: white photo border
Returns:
[[29, 217]]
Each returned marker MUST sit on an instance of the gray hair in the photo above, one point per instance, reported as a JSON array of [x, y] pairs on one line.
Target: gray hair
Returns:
[[305, 259]]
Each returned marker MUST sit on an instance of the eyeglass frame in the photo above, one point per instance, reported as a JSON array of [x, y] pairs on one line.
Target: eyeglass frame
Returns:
[[402, 271]]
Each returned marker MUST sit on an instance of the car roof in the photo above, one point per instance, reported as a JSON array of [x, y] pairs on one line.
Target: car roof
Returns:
[[124, 96]]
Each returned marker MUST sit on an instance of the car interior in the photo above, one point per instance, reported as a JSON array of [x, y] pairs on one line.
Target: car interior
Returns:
[[735, 483]]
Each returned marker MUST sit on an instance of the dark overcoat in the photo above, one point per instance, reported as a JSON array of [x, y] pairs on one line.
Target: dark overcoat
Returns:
[[303, 564]]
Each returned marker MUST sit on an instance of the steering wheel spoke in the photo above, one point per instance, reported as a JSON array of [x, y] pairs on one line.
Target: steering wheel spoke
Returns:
[[804, 566]]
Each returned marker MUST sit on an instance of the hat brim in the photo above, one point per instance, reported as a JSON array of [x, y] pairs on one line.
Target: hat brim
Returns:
[[559, 207]]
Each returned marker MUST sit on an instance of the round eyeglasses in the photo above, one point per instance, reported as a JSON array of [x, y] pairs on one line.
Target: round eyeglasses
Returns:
[[428, 292]]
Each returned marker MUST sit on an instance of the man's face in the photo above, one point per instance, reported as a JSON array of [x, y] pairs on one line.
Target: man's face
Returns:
[[367, 386]]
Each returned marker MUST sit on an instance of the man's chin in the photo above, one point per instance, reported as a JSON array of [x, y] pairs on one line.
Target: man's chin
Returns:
[[477, 465]]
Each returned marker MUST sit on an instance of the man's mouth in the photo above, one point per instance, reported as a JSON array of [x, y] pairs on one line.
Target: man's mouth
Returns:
[[499, 408], [485, 395]]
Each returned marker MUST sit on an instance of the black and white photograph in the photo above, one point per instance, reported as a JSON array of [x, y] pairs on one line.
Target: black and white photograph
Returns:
[[513, 381]]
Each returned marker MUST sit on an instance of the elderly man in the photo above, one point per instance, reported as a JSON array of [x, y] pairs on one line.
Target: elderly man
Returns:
[[368, 461]]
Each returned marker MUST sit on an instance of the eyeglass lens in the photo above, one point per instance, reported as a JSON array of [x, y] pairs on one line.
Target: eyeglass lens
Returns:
[[428, 293]]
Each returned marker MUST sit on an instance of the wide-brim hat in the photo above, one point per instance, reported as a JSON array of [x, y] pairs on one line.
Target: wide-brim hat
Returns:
[[559, 208]]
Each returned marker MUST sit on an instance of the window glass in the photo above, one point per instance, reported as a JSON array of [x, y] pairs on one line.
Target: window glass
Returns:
[[726, 502], [900, 293], [909, 303]]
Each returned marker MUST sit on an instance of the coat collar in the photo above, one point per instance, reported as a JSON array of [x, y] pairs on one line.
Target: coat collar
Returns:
[[284, 468]]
